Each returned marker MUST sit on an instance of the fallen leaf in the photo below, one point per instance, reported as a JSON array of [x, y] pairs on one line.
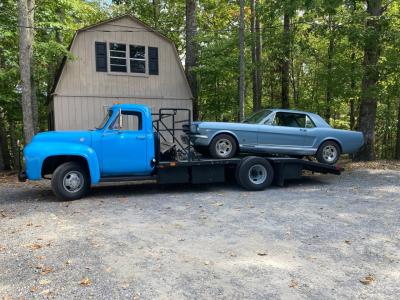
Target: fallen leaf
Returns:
[[219, 204], [124, 285], [34, 246], [367, 279], [44, 281], [206, 262], [181, 239], [33, 289], [45, 292], [68, 262], [45, 270], [262, 253], [85, 281], [29, 224], [293, 284], [347, 242], [2, 248], [232, 254]]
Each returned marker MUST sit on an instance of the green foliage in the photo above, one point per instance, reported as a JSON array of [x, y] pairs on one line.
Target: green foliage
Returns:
[[314, 23]]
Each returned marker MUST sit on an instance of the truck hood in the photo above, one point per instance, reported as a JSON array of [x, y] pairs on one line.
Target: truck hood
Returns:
[[78, 137]]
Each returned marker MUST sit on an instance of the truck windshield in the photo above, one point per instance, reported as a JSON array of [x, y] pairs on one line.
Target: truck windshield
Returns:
[[106, 118], [257, 117]]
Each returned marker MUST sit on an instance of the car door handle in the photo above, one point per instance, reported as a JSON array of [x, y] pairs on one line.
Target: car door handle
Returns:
[[302, 129], [140, 137]]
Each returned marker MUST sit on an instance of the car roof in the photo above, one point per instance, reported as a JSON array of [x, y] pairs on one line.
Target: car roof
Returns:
[[289, 110], [130, 106]]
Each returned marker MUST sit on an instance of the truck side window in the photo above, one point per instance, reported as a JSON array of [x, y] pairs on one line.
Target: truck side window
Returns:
[[131, 121]]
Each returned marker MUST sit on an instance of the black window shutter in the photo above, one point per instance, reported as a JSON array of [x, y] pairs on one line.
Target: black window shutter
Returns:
[[153, 61], [101, 56]]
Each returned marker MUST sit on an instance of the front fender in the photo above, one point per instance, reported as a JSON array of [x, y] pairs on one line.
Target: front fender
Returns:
[[224, 131], [36, 152]]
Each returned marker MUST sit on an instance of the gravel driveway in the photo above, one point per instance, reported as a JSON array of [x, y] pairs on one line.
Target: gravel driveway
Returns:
[[323, 237]]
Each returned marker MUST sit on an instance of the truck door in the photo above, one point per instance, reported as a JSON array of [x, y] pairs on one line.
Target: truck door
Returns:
[[124, 146]]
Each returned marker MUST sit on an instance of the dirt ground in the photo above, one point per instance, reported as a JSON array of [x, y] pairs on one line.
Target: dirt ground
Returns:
[[322, 237]]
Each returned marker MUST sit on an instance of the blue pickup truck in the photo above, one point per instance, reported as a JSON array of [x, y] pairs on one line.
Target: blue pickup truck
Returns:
[[126, 147]]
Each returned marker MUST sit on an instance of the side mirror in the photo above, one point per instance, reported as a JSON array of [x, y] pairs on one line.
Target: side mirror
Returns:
[[121, 124]]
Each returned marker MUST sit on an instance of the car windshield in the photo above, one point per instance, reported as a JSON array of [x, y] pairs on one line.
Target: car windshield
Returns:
[[105, 120], [257, 117]]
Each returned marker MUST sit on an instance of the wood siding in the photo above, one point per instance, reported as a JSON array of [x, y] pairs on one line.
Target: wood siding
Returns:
[[82, 92], [77, 113]]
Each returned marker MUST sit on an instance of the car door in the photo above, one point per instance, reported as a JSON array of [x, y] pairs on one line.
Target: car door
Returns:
[[124, 145], [286, 131], [311, 132]]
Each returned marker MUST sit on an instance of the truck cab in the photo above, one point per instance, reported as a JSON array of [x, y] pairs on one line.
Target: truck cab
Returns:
[[122, 145]]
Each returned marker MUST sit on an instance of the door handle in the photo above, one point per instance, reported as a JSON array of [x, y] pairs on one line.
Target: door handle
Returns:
[[140, 137], [302, 129]]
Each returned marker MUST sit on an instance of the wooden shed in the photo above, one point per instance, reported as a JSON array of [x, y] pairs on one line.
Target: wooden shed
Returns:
[[119, 60]]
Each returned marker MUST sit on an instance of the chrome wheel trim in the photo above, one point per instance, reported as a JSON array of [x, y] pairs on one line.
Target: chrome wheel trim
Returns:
[[257, 174], [329, 153], [73, 181], [223, 147]]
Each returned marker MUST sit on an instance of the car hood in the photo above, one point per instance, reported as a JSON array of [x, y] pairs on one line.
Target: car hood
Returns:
[[79, 137], [222, 125]]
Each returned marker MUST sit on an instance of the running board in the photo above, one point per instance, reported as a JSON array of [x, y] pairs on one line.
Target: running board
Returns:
[[127, 178]]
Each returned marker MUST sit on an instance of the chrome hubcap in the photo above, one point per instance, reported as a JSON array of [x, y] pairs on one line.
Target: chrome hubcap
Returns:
[[329, 153], [73, 181], [224, 147], [257, 174]]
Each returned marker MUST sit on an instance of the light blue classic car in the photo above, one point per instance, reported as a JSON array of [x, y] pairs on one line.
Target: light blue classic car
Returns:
[[276, 131]]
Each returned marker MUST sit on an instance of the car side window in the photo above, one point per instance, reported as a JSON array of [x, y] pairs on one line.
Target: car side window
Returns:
[[309, 122], [131, 121], [290, 120]]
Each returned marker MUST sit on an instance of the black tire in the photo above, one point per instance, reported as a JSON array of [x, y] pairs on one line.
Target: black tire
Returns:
[[237, 171], [64, 179], [328, 153], [255, 173], [223, 146]]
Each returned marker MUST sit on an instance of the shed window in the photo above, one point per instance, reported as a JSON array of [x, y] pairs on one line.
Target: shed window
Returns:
[[118, 57], [126, 58], [137, 58]]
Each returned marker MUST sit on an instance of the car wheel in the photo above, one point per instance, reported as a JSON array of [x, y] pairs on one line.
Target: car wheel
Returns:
[[223, 146], [70, 181], [255, 173], [328, 153]]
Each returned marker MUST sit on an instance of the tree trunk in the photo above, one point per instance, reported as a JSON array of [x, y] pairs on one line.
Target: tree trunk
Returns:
[[353, 87], [35, 106], [156, 13], [398, 133], [285, 60], [329, 81], [369, 85], [241, 62], [25, 58], [256, 55], [353, 75], [5, 158], [14, 146], [191, 52]]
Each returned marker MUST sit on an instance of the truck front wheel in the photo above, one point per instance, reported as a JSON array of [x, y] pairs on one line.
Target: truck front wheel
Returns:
[[70, 181]]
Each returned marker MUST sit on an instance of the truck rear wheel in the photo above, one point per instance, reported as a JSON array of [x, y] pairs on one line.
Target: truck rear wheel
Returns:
[[70, 181], [255, 173]]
